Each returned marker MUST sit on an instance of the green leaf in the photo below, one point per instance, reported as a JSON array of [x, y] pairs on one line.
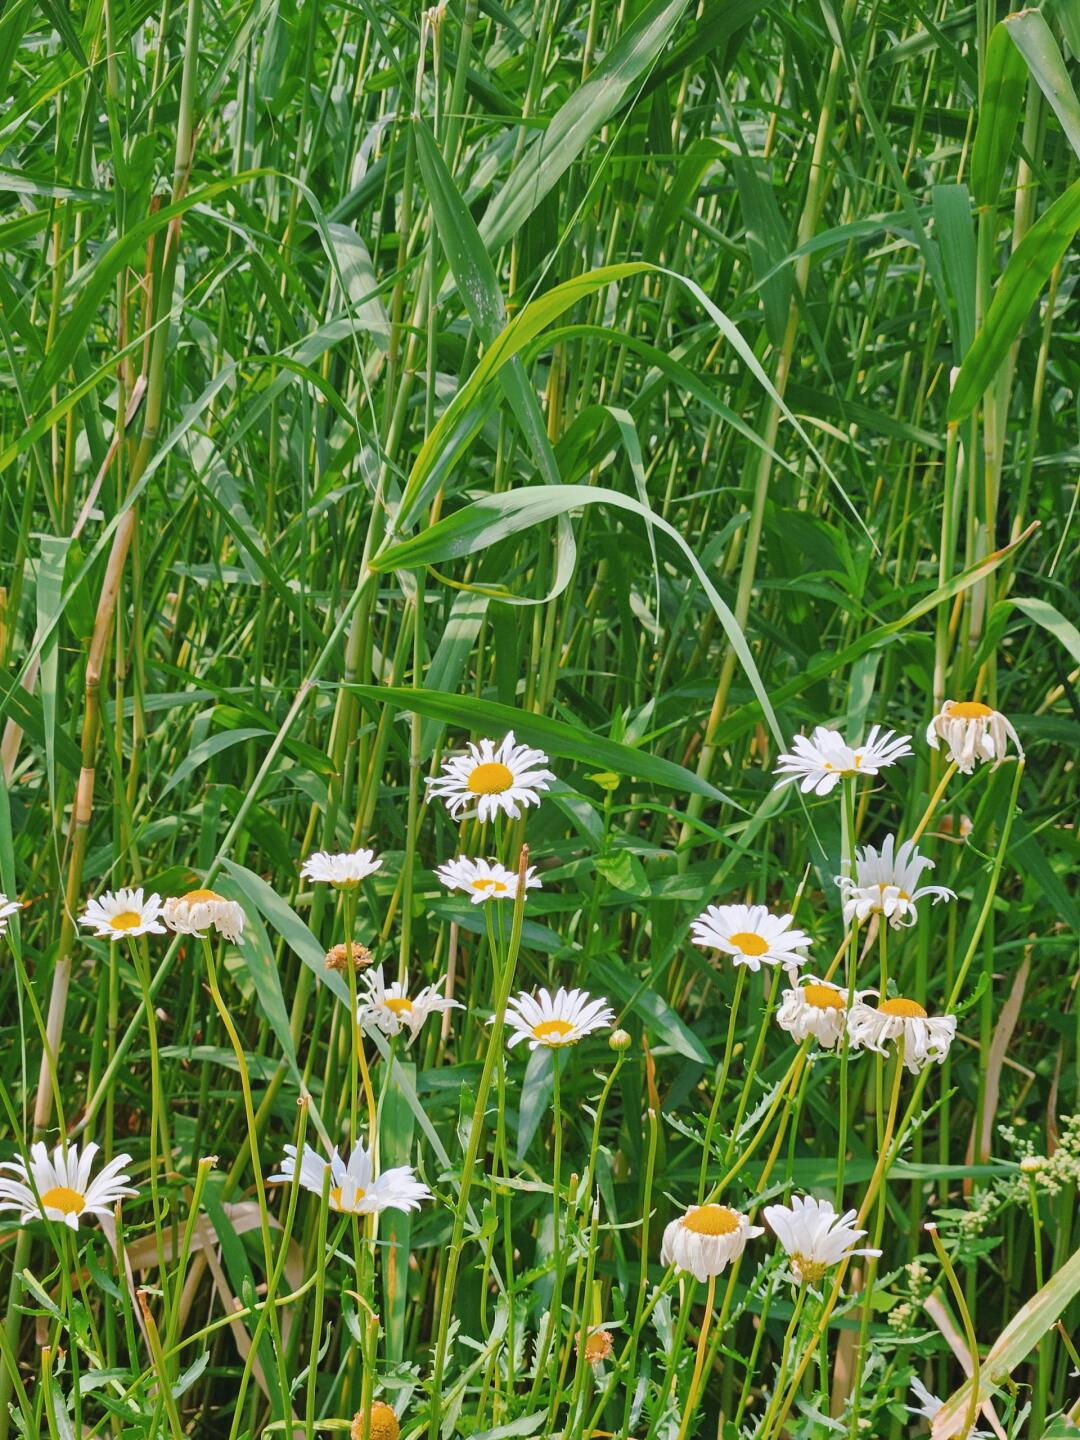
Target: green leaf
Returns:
[[1004, 85], [589, 108], [1052, 621], [1035, 41], [495, 517], [656, 1014], [558, 737], [1025, 275], [1015, 1343]]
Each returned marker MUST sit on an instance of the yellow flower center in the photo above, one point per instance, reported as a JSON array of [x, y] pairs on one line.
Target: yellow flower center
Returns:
[[486, 882], [711, 1220], [968, 710], [823, 997], [198, 897], [808, 1271], [884, 885], [908, 1009], [547, 1029], [335, 1196], [382, 1423], [749, 943], [491, 778], [399, 1004], [598, 1346], [126, 920], [69, 1202]]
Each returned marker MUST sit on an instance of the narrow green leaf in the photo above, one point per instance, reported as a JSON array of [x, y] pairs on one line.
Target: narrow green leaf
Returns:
[[1004, 84], [1035, 41], [1025, 275]]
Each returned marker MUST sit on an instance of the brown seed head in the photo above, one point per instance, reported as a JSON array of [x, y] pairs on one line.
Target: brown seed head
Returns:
[[338, 957]]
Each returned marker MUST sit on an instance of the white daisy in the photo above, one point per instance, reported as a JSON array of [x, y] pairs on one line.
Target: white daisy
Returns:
[[390, 1009], [814, 1236], [972, 732], [484, 879], [555, 1020], [925, 1037], [751, 935], [202, 910], [929, 1405], [64, 1188], [497, 777], [821, 762], [343, 871], [353, 1189], [815, 1009], [706, 1239], [124, 914], [888, 883], [7, 909]]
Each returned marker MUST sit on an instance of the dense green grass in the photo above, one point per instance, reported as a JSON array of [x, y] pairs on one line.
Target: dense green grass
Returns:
[[657, 381]]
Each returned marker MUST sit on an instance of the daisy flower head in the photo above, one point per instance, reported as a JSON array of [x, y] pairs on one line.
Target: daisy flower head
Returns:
[[123, 915], [391, 1009], [926, 1037], [821, 762], [201, 910], [65, 1191], [378, 1423], [927, 1406], [972, 732], [751, 935], [706, 1240], [814, 1236], [344, 871], [886, 883], [597, 1346], [340, 956], [494, 777], [553, 1021], [354, 1189], [7, 909], [816, 1009], [484, 879]]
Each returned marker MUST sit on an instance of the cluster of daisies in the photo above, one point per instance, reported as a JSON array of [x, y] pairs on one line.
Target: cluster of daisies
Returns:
[[490, 780]]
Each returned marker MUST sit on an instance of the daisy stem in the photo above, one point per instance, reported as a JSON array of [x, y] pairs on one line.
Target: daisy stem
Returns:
[[1043, 1348], [991, 891], [638, 1325], [871, 1261], [157, 1121], [553, 1330], [933, 804], [356, 1044], [505, 974], [721, 1081], [752, 1068], [969, 1329], [69, 1259], [883, 955], [274, 1279], [317, 1314], [785, 1348], [699, 1360], [848, 817], [886, 1156]]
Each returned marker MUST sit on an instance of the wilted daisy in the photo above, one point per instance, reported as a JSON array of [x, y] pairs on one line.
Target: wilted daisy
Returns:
[[887, 882], [484, 879], [7, 908], [496, 777], [814, 1236], [751, 935], [817, 1009], [597, 1346], [202, 910], [821, 762], [555, 1020], [380, 1423], [972, 732], [928, 1406], [925, 1037], [706, 1239], [353, 1188], [64, 1188], [126, 913], [391, 1009], [343, 871], [339, 956]]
